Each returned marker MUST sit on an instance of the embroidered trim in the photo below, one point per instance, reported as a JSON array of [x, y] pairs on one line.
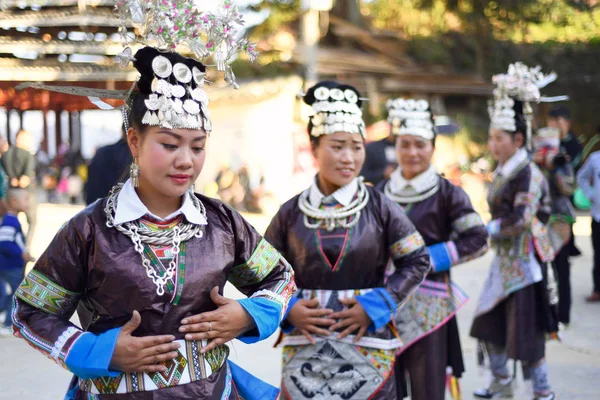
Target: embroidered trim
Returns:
[[40, 292], [259, 265], [189, 366], [407, 245], [466, 222], [62, 340]]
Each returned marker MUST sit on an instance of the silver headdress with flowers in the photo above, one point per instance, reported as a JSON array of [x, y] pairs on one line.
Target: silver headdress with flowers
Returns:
[[411, 117], [176, 96], [519, 83], [336, 109]]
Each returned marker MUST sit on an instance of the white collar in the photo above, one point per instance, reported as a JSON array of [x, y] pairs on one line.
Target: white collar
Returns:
[[131, 208], [419, 184], [343, 195], [506, 169]]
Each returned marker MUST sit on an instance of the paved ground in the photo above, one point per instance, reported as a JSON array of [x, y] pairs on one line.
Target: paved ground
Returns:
[[574, 363]]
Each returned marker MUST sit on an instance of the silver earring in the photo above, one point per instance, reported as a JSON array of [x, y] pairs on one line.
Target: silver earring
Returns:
[[134, 173]]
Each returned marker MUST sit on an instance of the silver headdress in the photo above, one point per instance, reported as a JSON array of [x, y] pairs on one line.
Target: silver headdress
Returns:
[[519, 83], [411, 117], [336, 109], [176, 96]]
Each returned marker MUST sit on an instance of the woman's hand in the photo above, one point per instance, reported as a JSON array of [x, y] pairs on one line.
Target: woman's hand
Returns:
[[307, 318], [141, 354], [354, 318], [220, 326]]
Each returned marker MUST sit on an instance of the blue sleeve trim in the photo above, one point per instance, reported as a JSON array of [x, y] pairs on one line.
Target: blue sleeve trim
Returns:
[[90, 355], [251, 387], [265, 313], [379, 306], [493, 227], [286, 326], [440, 258]]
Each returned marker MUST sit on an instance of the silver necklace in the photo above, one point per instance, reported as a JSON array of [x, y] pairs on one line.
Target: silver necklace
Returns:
[[409, 199], [141, 236], [345, 217]]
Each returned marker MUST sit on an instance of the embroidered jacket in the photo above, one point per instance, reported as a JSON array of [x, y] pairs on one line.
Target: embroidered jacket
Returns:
[[355, 258], [95, 270]]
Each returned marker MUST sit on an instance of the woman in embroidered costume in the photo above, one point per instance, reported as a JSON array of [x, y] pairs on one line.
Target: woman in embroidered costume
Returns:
[[453, 233], [339, 235], [513, 313], [145, 266]]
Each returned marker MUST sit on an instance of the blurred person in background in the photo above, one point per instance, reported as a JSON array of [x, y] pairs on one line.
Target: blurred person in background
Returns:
[[19, 165], [514, 311], [3, 179], [13, 255], [588, 179], [559, 117], [380, 160], [454, 233], [108, 166]]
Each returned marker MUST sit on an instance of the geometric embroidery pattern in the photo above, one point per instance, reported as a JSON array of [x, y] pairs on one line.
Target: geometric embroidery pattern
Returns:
[[173, 373], [260, 264], [107, 385], [466, 222], [40, 292], [216, 357], [196, 368], [406, 245]]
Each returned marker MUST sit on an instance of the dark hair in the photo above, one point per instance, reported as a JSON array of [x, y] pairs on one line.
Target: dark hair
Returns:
[[560, 112], [309, 98], [143, 63], [520, 123]]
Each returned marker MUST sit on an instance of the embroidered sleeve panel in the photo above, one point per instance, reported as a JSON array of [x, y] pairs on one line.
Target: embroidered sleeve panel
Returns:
[[259, 265], [64, 334], [467, 222], [406, 245], [40, 292]]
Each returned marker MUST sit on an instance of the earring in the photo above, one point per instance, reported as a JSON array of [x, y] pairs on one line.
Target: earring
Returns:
[[134, 173]]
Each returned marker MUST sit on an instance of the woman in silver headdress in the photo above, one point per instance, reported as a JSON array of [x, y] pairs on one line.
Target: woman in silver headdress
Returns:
[[339, 235], [513, 313], [453, 232], [145, 267]]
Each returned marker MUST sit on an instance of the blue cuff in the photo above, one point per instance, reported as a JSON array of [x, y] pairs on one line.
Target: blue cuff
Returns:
[[251, 387], [265, 313], [379, 306], [493, 227], [286, 326], [440, 257], [90, 355]]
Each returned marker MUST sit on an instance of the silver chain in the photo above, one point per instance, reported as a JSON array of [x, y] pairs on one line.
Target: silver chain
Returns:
[[140, 236], [345, 217]]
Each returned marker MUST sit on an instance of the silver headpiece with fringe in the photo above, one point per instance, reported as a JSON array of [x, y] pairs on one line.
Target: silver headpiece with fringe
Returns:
[[519, 83], [336, 110], [411, 117], [175, 102]]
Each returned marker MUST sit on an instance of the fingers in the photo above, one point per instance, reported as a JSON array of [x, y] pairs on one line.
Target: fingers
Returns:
[[203, 335], [348, 331], [133, 323], [342, 323], [307, 335], [320, 321], [159, 358], [194, 319], [316, 330], [360, 334], [200, 327], [212, 344], [150, 341], [309, 303], [318, 312], [159, 350], [349, 301], [217, 298], [341, 314]]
